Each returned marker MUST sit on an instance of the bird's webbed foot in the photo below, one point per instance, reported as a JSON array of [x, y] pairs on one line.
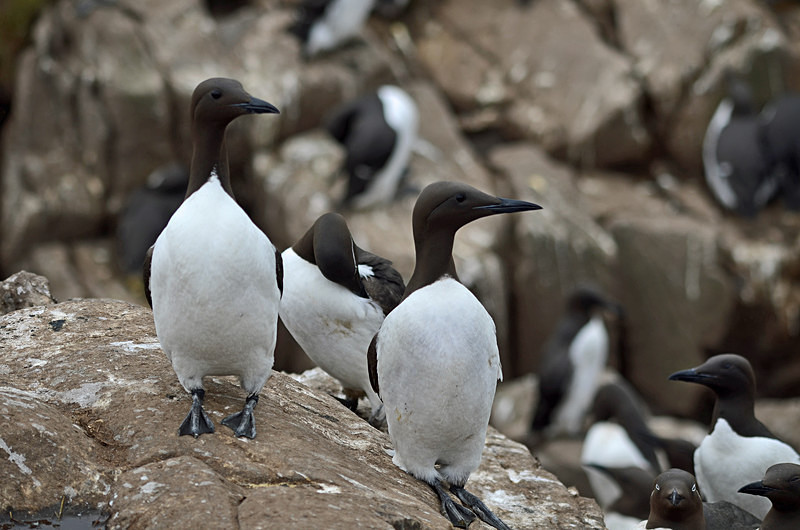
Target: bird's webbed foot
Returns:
[[243, 423], [477, 506], [459, 516], [197, 421]]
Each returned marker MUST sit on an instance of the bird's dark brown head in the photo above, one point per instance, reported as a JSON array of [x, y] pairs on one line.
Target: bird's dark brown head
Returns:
[[726, 374], [676, 498], [781, 485], [221, 100]]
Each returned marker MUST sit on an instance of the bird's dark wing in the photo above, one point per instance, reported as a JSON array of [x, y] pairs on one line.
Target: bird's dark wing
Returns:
[[723, 515], [279, 270], [372, 364], [308, 12], [554, 376], [386, 285], [148, 259]]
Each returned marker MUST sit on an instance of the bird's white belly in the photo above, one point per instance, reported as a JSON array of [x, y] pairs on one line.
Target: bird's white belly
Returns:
[[438, 366], [214, 291], [724, 462], [332, 325]]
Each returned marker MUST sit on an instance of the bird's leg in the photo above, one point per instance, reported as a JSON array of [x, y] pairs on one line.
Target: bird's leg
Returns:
[[378, 417], [243, 423], [475, 504], [197, 421], [459, 516]]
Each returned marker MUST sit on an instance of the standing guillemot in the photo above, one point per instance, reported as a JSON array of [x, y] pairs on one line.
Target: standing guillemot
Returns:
[[335, 297], [780, 127], [212, 277], [736, 165], [378, 131], [573, 361], [323, 25], [738, 448], [781, 485], [434, 362]]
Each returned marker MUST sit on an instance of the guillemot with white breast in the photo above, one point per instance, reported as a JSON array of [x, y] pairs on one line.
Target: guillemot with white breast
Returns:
[[378, 132], [213, 278], [781, 485], [738, 448], [335, 297], [435, 362]]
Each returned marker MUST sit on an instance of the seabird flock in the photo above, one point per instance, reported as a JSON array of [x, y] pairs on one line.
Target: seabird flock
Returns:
[[425, 354]]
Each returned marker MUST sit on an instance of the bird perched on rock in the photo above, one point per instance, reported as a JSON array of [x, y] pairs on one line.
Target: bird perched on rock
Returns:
[[675, 502], [781, 485], [738, 448], [737, 168], [434, 362], [632, 504], [573, 361], [377, 131], [212, 277], [146, 213], [335, 297], [323, 25]]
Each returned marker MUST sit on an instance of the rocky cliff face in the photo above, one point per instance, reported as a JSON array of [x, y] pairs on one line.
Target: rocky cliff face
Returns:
[[593, 108], [89, 410]]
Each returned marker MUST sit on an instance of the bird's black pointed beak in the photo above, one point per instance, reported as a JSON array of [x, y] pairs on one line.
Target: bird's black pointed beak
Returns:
[[756, 488], [258, 106], [675, 498], [692, 376], [508, 206]]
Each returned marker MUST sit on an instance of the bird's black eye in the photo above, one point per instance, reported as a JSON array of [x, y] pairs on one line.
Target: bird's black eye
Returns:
[[658, 488], [216, 93], [727, 365], [461, 197], [694, 487]]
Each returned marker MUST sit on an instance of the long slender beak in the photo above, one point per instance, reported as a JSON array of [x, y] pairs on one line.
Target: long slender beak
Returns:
[[258, 106], [509, 206], [691, 376], [756, 488]]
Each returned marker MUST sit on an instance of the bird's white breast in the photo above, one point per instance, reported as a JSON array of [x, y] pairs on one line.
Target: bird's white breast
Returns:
[[332, 325], [343, 19], [438, 366], [588, 354], [214, 289], [715, 176], [608, 444], [725, 461]]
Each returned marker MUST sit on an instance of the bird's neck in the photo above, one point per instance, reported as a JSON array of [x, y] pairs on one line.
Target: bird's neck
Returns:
[[434, 259], [738, 411], [209, 154], [782, 517]]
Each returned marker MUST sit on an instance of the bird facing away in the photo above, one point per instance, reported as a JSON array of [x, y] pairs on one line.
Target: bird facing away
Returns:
[[378, 132], [434, 362], [738, 448], [737, 168], [212, 277], [324, 25], [781, 485], [574, 359], [675, 502], [335, 297]]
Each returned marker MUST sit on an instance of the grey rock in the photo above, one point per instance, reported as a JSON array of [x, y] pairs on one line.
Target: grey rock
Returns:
[[99, 394], [24, 289]]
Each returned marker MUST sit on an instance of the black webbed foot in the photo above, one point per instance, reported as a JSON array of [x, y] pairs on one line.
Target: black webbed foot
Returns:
[[477, 506], [243, 423], [459, 516], [197, 421]]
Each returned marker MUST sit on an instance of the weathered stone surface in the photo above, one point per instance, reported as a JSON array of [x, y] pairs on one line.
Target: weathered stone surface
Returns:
[[88, 380], [24, 289], [535, 63]]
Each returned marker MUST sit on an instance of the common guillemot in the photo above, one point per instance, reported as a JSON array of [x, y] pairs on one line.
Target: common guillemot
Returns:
[[335, 297], [378, 132], [323, 25], [781, 485], [573, 361], [212, 277], [435, 362], [720, 464]]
